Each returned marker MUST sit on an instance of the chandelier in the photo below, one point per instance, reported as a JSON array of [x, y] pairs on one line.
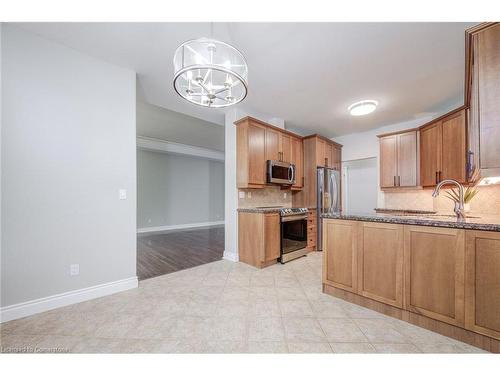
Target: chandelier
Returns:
[[210, 73]]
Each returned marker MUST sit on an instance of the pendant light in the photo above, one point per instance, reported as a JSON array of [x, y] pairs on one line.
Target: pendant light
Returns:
[[210, 73]]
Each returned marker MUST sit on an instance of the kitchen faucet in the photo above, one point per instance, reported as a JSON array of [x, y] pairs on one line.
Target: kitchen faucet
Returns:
[[459, 206]]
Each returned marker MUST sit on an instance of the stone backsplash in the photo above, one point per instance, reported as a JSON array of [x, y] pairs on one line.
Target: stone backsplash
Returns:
[[268, 196], [487, 201]]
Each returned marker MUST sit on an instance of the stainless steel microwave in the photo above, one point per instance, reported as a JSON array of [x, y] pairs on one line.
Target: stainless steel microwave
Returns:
[[279, 172]]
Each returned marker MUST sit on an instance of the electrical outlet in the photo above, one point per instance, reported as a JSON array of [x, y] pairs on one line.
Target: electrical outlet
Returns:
[[122, 194], [284, 195], [241, 194], [249, 194], [74, 269]]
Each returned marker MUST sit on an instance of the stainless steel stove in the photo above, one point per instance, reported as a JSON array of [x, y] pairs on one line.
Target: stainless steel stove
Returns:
[[293, 233]]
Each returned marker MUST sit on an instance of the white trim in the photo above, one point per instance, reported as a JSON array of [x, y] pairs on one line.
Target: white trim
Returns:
[[36, 306], [180, 226], [229, 255], [159, 145]]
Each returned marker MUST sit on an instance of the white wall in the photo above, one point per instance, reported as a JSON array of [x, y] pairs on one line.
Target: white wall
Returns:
[[161, 123], [365, 145], [231, 198], [68, 146], [175, 190]]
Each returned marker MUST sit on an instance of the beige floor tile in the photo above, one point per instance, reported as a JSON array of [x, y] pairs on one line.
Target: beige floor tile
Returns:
[[198, 308], [234, 293], [260, 347], [352, 347], [285, 294], [303, 330], [309, 347], [232, 308], [267, 307], [380, 331], [222, 347], [263, 292], [355, 311], [10, 343], [172, 346], [266, 329], [328, 309], [342, 330], [262, 280], [228, 329], [297, 308], [98, 345], [396, 348]]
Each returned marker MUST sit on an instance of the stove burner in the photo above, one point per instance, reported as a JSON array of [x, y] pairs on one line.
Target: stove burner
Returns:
[[293, 211]]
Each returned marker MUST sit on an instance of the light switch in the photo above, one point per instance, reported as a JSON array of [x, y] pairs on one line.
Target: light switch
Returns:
[[122, 193], [74, 269], [284, 195], [241, 194], [249, 194]]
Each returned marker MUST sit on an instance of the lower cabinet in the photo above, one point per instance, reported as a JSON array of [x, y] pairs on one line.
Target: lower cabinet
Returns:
[[258, 238], [339, 254], [482, 283], [380, 262], [435, 270]]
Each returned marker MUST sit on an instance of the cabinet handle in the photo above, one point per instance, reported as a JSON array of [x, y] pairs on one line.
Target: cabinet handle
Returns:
[[394, 181], [437, 177], [326, 162], [440, 177], [399, 180]]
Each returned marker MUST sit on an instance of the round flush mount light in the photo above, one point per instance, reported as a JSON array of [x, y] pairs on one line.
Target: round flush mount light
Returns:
[[363, 107], [210, 73]]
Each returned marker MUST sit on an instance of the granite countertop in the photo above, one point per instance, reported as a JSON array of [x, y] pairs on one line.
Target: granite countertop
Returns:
[[484, 222], [261, 210]]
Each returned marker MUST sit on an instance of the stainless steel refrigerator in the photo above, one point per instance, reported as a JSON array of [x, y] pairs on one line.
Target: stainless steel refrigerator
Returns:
[[328, 196]]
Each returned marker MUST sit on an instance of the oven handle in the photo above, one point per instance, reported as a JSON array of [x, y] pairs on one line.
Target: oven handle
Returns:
[[293, 218]]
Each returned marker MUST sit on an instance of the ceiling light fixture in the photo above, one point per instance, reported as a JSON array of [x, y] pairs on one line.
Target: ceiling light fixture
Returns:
[[363, 107], [210, 73]]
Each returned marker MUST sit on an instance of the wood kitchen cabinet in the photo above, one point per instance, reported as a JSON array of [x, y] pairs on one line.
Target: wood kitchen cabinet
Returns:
[[340, 238], [483, 95], [250, 154], [434, 272], [443, 147], [482, 283], [297, 158], [257, 142], [258, 238], [278, 145], [318, 152], [380, 262], [399, 159]]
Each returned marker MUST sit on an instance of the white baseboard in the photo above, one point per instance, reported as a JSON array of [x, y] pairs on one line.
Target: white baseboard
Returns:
[[228, 255], [36, 306], [180, 226]]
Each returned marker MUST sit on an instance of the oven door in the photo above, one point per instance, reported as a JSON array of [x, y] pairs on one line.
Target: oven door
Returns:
[[279, 172], [293, 233]]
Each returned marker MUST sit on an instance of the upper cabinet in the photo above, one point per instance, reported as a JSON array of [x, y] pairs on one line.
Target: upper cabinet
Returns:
[[443, 148], [250, 154], [398, 160], [258, 142], [327, 152], [482, 96]]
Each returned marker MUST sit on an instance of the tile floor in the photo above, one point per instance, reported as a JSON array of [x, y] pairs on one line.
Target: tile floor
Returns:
[[224, 307]]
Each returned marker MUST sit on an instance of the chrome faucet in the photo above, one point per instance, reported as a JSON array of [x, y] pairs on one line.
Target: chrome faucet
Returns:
[[459, 206]]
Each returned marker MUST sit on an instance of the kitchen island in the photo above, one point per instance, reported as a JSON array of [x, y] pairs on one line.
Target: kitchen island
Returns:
[[431, 270]]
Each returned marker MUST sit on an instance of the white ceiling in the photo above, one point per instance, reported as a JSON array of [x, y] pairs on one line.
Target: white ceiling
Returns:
[[305, 73]]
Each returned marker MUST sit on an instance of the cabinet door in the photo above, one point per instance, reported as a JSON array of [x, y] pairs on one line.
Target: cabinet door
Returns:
[[430, 154], [320, 152], [329, 155], [434, 272], [473, 119], [380, 262], [489, 96], [407, 159], [256, 154], [453, 155], [482, 283], [339, 254], [298, 160], [271, 237], [286, 147], [337, 158], [388, 161], [272, 144]]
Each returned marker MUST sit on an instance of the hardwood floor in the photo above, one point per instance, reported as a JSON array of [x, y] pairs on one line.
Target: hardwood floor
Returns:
[[162, 253]]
